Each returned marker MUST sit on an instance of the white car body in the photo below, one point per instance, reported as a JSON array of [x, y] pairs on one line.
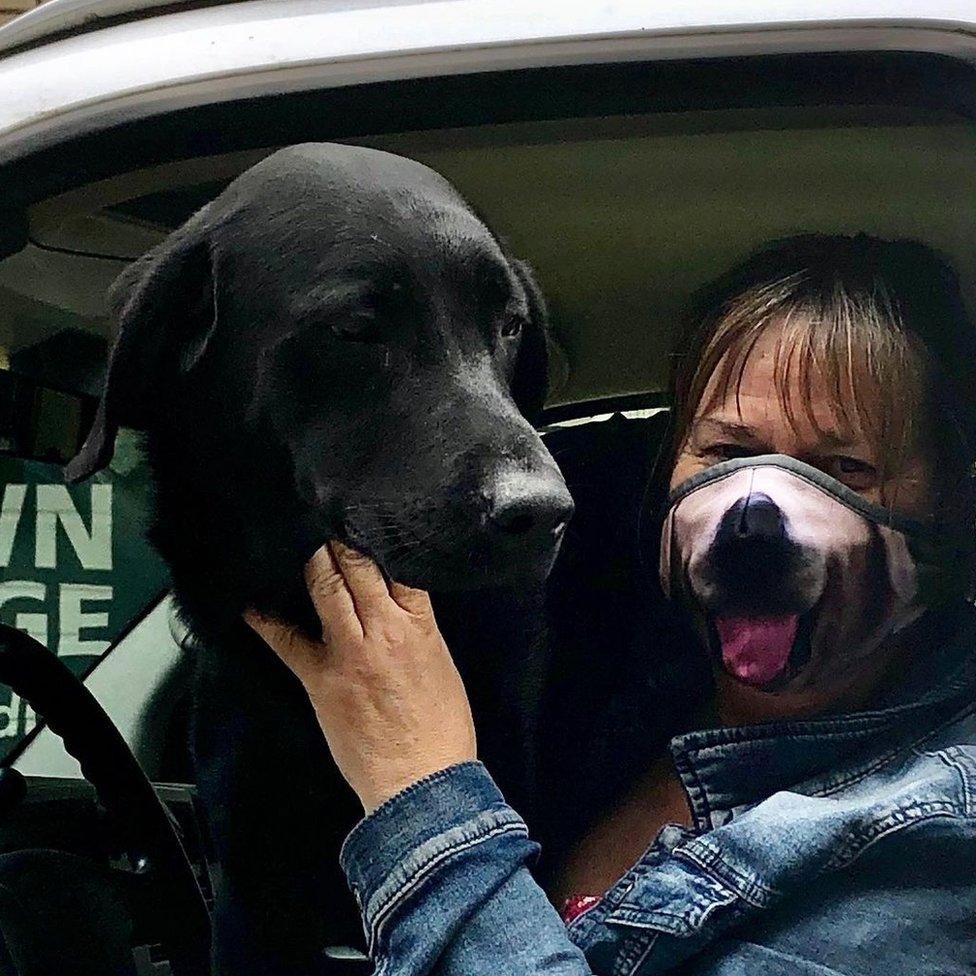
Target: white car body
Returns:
[[157, 62]]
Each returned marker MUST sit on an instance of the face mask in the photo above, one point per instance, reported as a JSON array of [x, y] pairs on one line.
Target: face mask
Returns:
[[793, 579]]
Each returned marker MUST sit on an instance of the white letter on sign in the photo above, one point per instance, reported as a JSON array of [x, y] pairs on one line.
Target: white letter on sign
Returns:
[[54, 504], [13, 505], [10, 714], [73, 620], [34, 623]]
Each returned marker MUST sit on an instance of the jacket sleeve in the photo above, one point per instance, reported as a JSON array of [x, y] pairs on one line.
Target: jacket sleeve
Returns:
[[440, 875]]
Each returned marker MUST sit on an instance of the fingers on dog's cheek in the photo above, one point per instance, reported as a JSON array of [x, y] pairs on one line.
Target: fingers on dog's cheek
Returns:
[[267, 628], [415, 602], [363, 577], [330, 595], [286, 641]]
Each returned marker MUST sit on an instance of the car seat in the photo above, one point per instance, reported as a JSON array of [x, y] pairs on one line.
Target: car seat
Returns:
[[622, 676]]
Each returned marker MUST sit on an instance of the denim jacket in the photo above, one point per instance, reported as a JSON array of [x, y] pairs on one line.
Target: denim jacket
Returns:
[[841, 846]]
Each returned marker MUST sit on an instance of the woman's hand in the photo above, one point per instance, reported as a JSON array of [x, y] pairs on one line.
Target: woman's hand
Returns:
[[386, 692]]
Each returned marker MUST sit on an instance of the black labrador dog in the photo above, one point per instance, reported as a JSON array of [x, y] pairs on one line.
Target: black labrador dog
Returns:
[[335, 347]]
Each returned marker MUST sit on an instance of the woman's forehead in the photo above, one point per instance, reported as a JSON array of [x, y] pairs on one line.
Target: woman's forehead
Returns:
[[770, 385]]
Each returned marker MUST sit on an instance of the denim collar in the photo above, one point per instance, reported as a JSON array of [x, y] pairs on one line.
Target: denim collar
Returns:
[[728, 770]]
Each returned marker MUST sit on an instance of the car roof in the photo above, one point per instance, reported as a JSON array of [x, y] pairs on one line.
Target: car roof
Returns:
[[80, 57], [55, 18]]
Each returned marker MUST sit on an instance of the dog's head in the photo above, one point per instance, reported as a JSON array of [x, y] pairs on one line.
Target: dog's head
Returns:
[[338, 347], [792, 578]]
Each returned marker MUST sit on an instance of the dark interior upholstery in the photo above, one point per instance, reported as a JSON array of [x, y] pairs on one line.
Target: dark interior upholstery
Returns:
[[623, 678]]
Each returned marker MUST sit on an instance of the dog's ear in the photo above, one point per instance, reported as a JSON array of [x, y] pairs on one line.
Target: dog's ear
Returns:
[[164, 304], [530, 383]]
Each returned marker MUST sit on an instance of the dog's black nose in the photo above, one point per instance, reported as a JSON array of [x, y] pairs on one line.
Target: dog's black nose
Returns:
[[529, 504], [756, 516], [754, 566]]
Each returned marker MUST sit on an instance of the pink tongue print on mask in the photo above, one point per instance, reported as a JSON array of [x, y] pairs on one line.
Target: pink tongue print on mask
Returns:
[[756, 649]]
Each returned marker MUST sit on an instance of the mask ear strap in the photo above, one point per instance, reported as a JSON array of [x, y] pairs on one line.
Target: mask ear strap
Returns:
[[664, 445], [652, 511]]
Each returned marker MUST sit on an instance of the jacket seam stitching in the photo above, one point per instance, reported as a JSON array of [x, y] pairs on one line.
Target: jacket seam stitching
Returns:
[[631, 961], [700, 800], [863, 772], [643, 957], [681, 923], [951, 757], [857, 844], [429, 780], [750, 890], [423, 871]]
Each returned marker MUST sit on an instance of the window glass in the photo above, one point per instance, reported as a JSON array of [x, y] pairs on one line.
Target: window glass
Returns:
[[76, 569], [622, 217]]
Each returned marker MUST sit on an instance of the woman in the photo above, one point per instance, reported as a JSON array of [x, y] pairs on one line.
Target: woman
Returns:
[[819, 541]]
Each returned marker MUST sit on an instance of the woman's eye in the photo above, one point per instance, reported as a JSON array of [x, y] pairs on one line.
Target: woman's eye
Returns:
[[856, 474], [511, 327], [729, 452]]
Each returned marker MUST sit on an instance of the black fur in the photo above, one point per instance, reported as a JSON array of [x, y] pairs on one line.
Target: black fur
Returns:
[[336, 347]]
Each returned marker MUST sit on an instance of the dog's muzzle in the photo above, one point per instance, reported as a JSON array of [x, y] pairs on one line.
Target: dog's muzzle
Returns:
[[784, 567]]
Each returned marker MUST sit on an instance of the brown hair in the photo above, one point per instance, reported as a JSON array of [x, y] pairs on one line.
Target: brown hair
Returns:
[[880, 322]]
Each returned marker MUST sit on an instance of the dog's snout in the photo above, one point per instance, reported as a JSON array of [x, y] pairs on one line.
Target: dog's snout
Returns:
[[527, 504], [756, 516], [754, 565]]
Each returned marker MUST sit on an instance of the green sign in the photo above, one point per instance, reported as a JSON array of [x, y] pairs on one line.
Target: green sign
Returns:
[[75, 569]]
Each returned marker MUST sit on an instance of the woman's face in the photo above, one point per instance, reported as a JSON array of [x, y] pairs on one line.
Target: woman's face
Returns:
[[752, 420]]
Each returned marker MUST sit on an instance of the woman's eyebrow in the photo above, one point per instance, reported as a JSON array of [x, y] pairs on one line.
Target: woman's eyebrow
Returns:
[[743, 432], [726, 428]]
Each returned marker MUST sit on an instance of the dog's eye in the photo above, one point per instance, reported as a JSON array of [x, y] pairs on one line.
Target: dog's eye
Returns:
[[355, 328], [512, 326]]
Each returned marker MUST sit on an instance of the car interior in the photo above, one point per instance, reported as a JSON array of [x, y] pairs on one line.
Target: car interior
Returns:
[[623, 215]]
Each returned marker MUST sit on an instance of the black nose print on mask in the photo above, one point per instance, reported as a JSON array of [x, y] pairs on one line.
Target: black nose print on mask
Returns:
[[756, 518], [753, 563]]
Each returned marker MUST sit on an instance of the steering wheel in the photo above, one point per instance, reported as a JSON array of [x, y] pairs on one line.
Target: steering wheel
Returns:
[[106, 761]]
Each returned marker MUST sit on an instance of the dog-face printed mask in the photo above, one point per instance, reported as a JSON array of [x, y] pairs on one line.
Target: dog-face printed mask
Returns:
[[793, 579]]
